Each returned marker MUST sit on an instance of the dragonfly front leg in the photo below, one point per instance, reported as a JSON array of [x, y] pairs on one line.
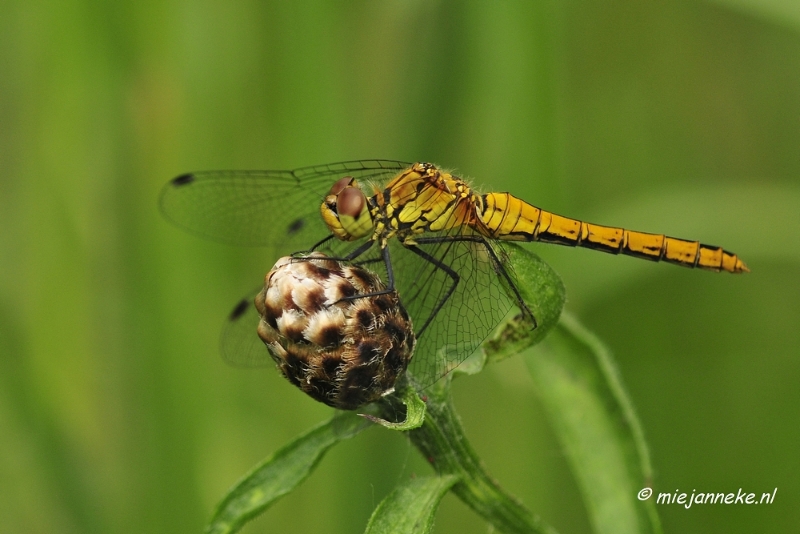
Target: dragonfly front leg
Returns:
[[299, 254], [387, 263], [321, 242], [364, 247]]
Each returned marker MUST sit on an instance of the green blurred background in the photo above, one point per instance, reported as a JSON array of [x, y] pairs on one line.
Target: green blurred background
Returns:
[[116, 413]]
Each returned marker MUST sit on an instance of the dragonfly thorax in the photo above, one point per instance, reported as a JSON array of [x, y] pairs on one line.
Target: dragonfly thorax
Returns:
[[424, 199]]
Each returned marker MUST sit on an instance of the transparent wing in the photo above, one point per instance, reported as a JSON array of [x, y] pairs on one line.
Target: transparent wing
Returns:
[[240, 345], [473, 310], [270, 208], [449, 329]]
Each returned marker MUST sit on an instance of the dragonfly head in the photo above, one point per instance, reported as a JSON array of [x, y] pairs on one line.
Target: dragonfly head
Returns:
[[345, 210]]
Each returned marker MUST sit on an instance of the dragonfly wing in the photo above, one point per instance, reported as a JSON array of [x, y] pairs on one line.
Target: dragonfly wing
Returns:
[[450, 328], [240, 345], [451, 319], [270, 208]]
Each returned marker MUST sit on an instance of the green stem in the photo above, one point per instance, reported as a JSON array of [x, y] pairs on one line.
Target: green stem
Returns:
[[442, 441], [441, 438]]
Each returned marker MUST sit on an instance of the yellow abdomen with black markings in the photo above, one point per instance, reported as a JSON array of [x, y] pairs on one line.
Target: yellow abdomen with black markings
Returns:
[[506, 217]]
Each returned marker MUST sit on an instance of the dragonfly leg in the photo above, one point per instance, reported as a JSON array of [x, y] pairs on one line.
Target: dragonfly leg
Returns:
[[496, 264], [320, 243], [352, 255], [439, 265], [299, 254], [359, 251], [389, 273], [355, 254], [367, 262]]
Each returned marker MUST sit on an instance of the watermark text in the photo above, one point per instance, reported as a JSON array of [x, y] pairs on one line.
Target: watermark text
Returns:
[[690, 499]]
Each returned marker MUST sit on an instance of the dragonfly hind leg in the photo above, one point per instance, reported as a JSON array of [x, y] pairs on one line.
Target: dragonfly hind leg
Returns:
[[439, 265], [496, 264]]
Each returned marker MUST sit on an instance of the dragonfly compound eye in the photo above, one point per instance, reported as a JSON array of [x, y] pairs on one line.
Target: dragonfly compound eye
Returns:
[[344, 353], [345, 211], [350, 202], [340, 184]]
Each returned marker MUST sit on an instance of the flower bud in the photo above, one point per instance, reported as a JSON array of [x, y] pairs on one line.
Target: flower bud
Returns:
[[345, 353]]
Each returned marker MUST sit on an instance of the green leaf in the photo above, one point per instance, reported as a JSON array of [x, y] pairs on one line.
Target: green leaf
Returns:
[[596, 424], [442, 441], [587, 404], [542, 290], [410, 508], [415, 410], [441, 438], [281, 473]]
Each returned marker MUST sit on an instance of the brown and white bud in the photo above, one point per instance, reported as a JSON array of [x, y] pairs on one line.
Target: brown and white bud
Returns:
[[345, 353]]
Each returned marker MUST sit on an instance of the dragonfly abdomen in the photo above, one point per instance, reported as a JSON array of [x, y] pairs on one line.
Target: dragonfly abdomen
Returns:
[[508, 218]]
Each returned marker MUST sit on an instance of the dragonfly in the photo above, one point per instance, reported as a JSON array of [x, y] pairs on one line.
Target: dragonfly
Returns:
[[433, 239]]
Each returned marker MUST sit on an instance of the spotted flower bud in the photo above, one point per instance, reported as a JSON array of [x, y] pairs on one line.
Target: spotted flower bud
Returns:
[[345, 353]]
